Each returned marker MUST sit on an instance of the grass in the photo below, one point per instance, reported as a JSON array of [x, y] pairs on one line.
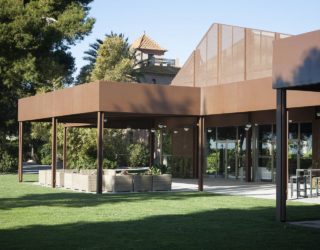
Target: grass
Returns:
[[34, 217]]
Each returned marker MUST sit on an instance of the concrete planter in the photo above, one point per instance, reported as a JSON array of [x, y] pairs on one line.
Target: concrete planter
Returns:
[[42, 177], [118, 183], [88, 171], [162, 182], [84, 182], [68, 180], [142, 183], [60, 178], [48, 177]]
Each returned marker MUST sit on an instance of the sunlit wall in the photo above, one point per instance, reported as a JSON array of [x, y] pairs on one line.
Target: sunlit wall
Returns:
[[229, 54]]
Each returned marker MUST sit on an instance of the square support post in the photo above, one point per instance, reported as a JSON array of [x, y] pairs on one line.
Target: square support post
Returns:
[[282, 146], [200, 157], [151, 148], [65, 131], [54, 152], [100, 126], [20, 166]]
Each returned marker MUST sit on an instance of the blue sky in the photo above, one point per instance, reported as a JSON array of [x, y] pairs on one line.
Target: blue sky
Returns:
[[178, 25]]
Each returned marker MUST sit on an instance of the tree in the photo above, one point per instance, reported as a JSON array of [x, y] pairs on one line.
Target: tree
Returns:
[[90, 56], [114, 60], [35, 36], [121, 50]]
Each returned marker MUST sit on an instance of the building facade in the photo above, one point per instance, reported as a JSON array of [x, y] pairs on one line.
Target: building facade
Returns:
[[233, 66]]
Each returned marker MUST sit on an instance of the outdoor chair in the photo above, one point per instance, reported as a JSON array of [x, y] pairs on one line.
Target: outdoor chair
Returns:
[[299, 179]]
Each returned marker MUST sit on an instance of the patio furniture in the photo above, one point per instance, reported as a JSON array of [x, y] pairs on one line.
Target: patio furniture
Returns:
[[311, 173], [317, 180], [299, 180]]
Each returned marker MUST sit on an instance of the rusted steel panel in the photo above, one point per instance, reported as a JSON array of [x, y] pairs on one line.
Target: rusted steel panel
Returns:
[[296, 61], [121, 98], [149, 99], [251, 95], [69, 101]]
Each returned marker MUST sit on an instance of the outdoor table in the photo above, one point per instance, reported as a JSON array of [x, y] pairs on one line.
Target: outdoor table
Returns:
[[298, 179]]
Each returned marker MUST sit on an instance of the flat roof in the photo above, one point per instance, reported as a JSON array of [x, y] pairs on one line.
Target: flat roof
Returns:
[[80, 103], [296, 62]]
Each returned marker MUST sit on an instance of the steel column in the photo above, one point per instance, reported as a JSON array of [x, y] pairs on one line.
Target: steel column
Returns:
[[20, 166], [151, 148], [54, 152], [100, 126], [65, 131], [200, 152], [282, 145]]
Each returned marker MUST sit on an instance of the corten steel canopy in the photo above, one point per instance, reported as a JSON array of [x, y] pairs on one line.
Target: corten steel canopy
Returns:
[[296, 62], [80, 103], [109, 104], [296, 66]]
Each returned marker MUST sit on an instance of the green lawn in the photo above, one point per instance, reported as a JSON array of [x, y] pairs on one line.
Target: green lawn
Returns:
[[34, 217]]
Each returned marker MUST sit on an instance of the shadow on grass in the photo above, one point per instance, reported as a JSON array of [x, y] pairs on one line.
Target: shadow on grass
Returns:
[[216, 229], [66, 199]]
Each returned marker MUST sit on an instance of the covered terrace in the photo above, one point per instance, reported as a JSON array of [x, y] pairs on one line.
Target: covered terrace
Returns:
[[114, 105]]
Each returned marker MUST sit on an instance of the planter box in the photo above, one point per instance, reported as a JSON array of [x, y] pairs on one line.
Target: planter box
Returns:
[[117, 183], [88, 171], [68, 179], [48, 178], [84, 182], [142, 183], [42, 177], [162, 182], [60, 178]]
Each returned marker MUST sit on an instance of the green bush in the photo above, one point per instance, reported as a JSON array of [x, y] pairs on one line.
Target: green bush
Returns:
[[138, 155], [181, 167], [8, 163], [212, 160], [109, 164], [45, 154]]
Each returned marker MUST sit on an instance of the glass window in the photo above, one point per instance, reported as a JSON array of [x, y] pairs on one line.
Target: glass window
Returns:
[[227, 133], [212, 152], [265, 140], [293, 131], [305, 145]]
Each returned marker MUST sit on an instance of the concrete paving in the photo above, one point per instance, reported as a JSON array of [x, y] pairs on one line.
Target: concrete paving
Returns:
[[263, 190], [311, 223]]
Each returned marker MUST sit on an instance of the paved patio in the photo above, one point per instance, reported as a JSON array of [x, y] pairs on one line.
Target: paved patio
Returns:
[[263, 190]]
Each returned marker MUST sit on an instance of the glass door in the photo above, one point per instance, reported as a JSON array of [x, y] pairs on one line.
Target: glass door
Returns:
[[227, 159]]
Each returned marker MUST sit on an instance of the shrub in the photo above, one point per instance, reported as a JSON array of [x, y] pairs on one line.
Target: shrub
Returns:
[[8, 163], [109, 164], [138, 155]]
